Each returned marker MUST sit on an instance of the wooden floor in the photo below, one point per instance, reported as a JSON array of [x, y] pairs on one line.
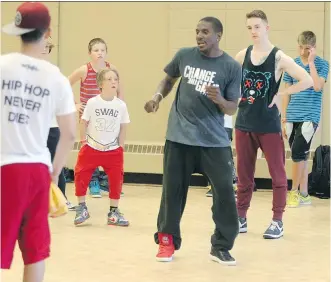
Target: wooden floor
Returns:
[[102, 253]]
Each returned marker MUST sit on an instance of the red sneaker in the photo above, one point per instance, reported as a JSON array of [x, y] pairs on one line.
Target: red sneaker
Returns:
[[166, 247]]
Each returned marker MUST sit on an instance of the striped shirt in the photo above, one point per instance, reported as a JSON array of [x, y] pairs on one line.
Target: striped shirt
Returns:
[[307, 104], [89, 87]]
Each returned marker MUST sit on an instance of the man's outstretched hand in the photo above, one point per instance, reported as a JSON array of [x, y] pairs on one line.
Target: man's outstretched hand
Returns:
[[151, 106]]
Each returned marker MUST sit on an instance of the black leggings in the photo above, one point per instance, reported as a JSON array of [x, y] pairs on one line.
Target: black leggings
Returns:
[[53, 139]]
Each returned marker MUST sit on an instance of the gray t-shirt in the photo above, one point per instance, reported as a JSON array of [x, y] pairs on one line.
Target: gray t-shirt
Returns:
[[194, 119]]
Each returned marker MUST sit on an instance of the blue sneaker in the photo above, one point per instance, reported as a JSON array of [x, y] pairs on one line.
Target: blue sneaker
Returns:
[[95, 189]]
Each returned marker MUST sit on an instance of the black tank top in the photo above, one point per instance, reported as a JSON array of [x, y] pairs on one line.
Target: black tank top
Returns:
[[258, 87]]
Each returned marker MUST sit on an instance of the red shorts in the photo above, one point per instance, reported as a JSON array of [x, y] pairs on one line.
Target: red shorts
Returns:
[[24, 212], [89, 159]]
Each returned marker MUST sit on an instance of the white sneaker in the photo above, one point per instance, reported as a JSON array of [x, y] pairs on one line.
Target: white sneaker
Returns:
[[70, 206]]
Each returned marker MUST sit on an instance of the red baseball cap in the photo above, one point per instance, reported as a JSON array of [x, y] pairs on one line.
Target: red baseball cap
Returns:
[[29, 17]]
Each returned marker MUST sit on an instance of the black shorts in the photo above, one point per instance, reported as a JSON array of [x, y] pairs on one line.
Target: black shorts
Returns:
[[300, 135]]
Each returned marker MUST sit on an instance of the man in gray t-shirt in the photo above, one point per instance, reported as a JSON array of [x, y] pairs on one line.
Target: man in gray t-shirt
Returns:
[[195, 119], [196, 140]]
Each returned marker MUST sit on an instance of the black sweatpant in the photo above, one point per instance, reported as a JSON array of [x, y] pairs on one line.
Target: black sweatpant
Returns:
[[229, 131], [53, 139], [180, 162]]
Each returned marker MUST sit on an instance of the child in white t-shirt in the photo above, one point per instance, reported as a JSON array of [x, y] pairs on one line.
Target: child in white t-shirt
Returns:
[[103, 130]]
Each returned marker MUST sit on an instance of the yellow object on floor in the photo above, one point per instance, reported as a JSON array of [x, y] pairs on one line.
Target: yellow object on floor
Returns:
[[57, 202], [293, 199]]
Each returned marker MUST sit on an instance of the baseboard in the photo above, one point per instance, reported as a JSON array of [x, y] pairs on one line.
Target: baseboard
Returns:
[[197, 181], [156, 179]]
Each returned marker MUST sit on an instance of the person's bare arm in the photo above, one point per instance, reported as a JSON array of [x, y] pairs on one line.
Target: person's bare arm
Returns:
[[162, 91], [285, 102], [287, 64], [317, 80], [84, 121], [240, 57], [165, 87], [67, 126], [228, 107], [78, 75], [228, 102], [83, 124], [172, 70], [122, 135]]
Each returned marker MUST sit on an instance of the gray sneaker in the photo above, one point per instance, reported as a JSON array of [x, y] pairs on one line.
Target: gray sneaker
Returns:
[[82, 214], [115, 217], [274, 231], [242, 225]]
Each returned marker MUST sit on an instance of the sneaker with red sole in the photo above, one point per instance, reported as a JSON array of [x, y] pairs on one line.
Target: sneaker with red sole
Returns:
[[166, 248]]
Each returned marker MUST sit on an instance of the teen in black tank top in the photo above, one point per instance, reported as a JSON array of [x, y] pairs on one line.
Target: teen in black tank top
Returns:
[[258, 87]]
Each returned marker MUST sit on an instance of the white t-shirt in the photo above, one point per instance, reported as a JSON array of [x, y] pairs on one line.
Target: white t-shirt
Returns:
[[33, 92], [105, 119], [228, 121], [54, 123]]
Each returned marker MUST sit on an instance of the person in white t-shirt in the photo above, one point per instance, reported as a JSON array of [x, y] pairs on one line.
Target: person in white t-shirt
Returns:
[[228, 125], [104, 123], [33, 92]]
